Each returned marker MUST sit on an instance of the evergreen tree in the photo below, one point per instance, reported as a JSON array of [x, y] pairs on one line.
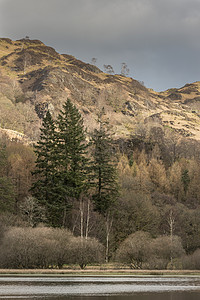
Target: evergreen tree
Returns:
[[72, 154], [104, 175], [45, 186], [72, 148], [185, 178], [104, 168], [61, 164]]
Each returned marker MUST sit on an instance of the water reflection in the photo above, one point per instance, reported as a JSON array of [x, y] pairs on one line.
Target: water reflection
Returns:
[[100, 288]]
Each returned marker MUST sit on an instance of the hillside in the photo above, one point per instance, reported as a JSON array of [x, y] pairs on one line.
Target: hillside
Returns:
[[143, 189], [34, 78]]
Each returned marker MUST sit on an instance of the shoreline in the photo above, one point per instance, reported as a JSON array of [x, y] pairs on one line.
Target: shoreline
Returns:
[[96, 272]]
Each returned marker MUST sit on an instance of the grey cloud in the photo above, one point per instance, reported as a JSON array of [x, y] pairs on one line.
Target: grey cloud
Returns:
[[152, 36]]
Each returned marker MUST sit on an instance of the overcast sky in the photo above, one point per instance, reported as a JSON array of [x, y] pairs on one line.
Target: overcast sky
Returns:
[[159, 40]]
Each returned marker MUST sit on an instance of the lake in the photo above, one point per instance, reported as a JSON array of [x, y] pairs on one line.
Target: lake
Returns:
[[100, 288]]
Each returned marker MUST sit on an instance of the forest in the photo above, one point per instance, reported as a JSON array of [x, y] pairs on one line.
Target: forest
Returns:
[[79, 198]]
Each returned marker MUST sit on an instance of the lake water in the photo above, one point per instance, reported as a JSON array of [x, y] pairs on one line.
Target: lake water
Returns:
[[100, 288]]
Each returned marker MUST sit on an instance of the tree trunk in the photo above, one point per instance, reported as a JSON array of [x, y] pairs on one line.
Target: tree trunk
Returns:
[[81, 216], [109, 221], [171, 222], [88, 219]]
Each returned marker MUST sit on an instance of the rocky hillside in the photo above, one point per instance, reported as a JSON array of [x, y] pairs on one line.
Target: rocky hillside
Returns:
[[34, 78]]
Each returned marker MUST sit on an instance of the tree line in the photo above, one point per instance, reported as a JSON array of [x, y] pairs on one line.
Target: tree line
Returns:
[[65, 171], [142, 210]]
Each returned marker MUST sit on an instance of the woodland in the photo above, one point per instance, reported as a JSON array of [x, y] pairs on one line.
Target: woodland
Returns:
[[79, 198]]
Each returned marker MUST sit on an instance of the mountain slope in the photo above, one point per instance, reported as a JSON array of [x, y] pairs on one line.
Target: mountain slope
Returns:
[[34, 78]]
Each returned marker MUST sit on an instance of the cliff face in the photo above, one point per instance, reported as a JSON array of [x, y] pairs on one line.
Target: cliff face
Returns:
[[34, 78]]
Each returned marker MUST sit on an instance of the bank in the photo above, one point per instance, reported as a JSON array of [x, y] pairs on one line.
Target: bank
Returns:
[[96, 272]]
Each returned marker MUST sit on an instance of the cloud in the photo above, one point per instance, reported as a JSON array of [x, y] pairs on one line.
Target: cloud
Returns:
[[152, 36]]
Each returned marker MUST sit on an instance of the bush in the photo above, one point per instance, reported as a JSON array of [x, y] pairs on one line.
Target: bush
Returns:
[[26, 248], [192, 261], [62, 248], [134, 250], [164, 251], [139, 250], [46, 247], [86, 251]]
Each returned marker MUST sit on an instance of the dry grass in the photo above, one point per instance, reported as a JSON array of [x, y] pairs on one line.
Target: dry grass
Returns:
[[113, 91], [94, 270]]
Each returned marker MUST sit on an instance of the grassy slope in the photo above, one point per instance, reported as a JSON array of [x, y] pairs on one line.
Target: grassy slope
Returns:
[[24, 62]]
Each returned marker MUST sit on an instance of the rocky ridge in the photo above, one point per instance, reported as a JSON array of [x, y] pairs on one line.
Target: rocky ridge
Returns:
[[34, 78]]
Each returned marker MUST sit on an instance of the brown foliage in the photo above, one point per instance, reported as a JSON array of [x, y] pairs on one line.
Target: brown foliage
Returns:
[[44, 247]]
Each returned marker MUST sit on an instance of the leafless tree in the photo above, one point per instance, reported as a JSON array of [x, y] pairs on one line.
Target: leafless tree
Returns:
[[108, 69], [124, 69], [94, 61]]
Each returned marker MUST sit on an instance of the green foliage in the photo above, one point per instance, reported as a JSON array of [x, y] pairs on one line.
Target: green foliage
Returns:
[[136, 213], [68, 173], [104, 168], [61, 163], [72, 151], [185, 178], [45, 186]]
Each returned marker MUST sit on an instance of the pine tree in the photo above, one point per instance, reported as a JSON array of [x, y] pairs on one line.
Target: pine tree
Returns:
[[61, 163], [72, 154], [104, 168], [72, 149], [45, 186], [185, 178], [104, 174]]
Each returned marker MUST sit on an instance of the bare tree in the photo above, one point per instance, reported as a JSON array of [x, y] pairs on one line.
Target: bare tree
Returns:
[[124, 69], [108, 69], [94, 61], [31, 211], [171, 223]]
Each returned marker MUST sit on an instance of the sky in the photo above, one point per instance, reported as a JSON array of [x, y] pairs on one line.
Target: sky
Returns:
[[159, 40]]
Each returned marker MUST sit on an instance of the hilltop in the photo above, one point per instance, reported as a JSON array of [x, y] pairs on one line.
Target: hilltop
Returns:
[[34, 78]]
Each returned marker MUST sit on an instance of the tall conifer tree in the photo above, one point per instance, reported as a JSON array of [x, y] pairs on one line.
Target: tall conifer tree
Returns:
[[104, 174], [72, 148], [44, 188], [61, 163], [104, 168]]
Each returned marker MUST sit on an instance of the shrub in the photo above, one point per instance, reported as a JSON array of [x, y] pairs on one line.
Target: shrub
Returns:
[[86, 251], [134, 250], [139, 250], [192, 261], [46, 247], [26, 248], [62, 248]]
